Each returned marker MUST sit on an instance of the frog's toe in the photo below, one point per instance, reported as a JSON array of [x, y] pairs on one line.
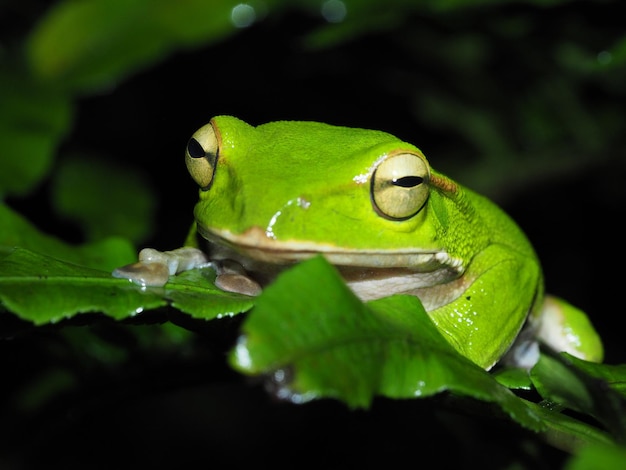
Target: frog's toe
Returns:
[[232, 282], [144, 274]]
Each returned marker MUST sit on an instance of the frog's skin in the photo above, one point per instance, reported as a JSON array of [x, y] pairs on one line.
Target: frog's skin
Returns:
[[281, 192]]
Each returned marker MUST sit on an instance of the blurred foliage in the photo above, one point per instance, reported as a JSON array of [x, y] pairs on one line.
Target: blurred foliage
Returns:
[[523, 101], [111, 39]]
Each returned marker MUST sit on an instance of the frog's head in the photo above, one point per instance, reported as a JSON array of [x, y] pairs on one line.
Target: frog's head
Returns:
[[283, 191]]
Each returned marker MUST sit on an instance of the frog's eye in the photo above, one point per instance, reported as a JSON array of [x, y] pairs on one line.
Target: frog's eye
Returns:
[[201, 155], [399, 187]]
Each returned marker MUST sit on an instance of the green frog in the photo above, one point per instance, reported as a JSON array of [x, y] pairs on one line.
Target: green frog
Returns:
[[371, 204]]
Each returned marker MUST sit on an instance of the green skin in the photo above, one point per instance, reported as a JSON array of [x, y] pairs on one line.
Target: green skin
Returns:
[[281, 192]]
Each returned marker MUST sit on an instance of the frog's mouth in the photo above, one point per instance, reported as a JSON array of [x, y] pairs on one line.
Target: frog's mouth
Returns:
[[405, 269], [255, 244]]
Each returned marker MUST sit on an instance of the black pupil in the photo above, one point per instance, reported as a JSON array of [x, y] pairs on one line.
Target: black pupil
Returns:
[[195, 149], [408, 181]]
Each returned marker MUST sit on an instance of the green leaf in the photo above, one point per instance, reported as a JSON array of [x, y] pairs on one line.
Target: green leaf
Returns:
[[613, 375], [194, 292], [314, 338], [558, 383], [33, 119], [88, 45], [598, 456], [559, 380], [42, 290], [567, 433], [514, 378], [106, 254], [83, 182]]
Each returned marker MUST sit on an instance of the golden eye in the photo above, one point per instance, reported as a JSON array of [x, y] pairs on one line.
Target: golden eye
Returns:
[[399, 187], [201, 155]]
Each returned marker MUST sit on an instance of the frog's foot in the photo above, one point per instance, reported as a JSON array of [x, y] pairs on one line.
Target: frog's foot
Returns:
[[231, 277], [155, 267], [563, 327]]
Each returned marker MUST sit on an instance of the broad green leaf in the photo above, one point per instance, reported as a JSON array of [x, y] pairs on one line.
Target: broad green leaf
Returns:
[[194, 292], [598, 456], [567, 433], [33, 120], [613, 375], [87, 45], [44, 290], [558, 380], [514, 378], [81, 184], [314, 338], [106, 254], [558, 383]]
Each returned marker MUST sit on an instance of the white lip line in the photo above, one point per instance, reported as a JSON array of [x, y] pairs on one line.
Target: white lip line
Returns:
[[295, 247]]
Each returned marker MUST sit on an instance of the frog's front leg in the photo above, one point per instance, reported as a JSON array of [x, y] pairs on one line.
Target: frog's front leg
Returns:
[[483, 322], [155, 267]]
